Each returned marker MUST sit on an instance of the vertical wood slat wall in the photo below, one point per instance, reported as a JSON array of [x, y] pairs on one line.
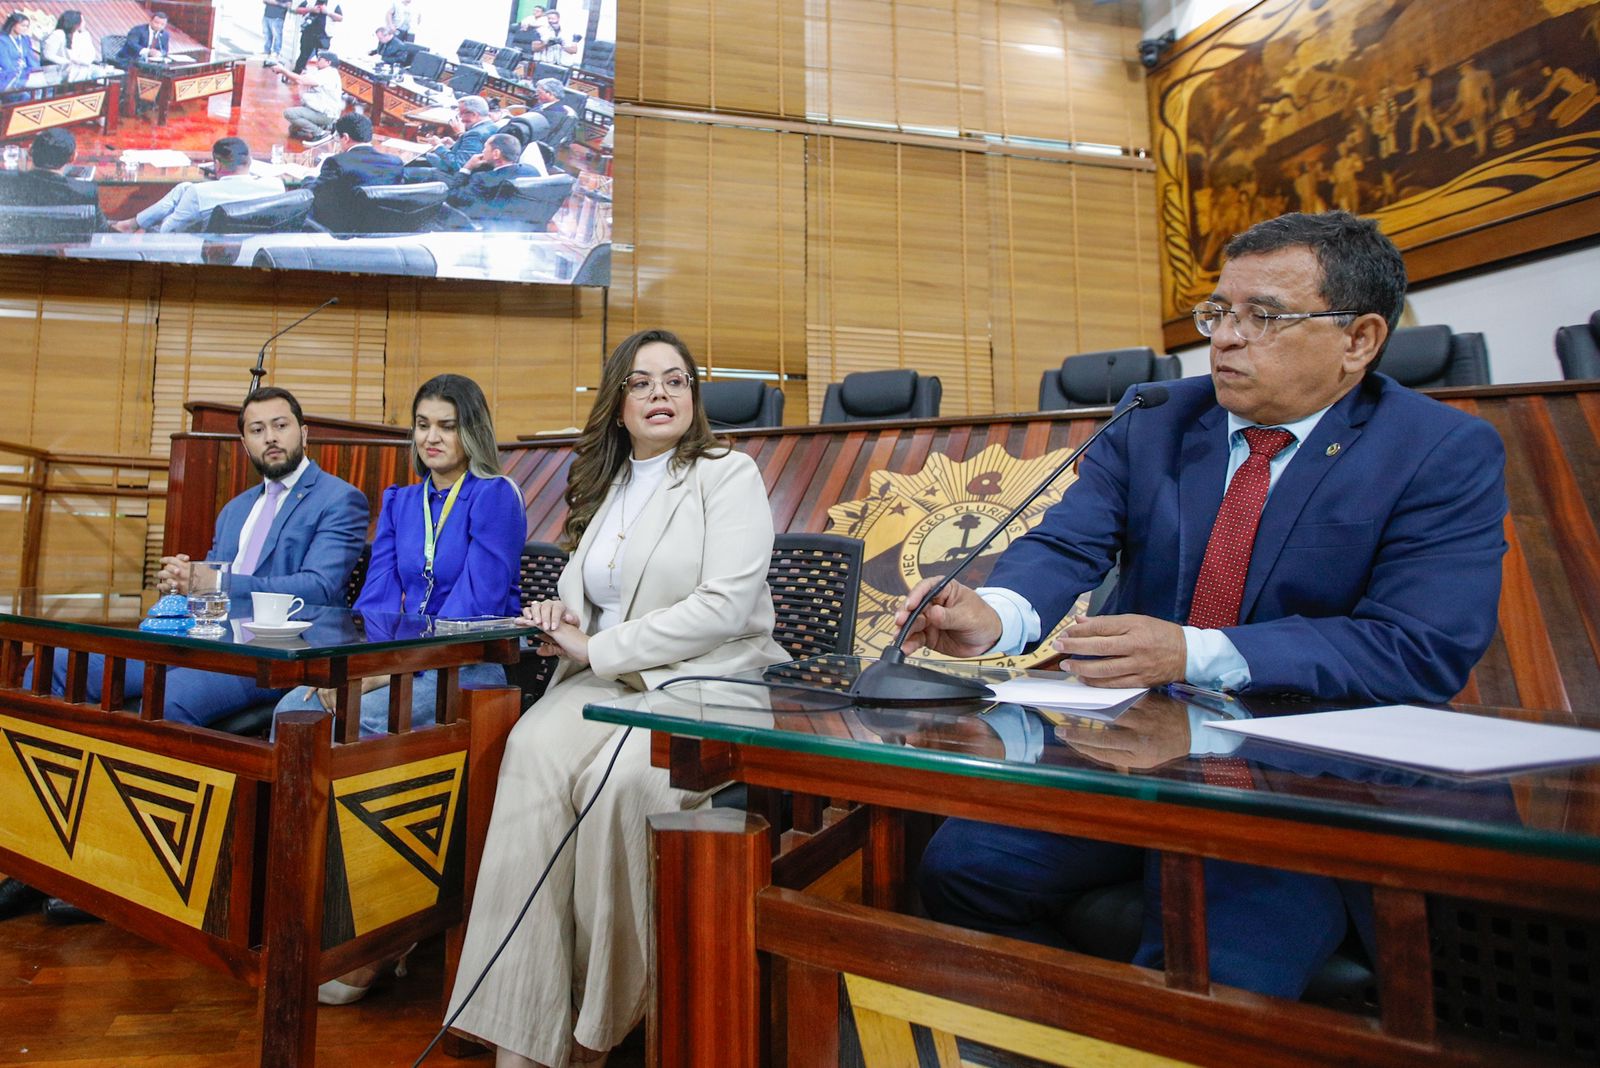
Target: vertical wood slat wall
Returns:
[[801, 222]]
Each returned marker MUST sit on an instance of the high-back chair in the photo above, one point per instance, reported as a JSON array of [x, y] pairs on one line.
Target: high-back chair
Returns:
[[1578, 349], [1099, 378], [1427, 357], [893, 394], [542, 563], [741, 403]]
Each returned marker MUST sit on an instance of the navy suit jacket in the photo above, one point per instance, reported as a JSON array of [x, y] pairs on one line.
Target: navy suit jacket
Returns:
[[1376, 569], [334, 202], [139, 39], [469, 144], [313, 544]]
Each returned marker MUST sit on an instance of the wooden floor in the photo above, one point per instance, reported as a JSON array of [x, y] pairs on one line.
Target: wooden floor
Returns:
[[194, 126], [93, 996]]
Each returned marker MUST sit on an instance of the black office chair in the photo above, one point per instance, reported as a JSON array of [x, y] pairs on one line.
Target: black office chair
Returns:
[[595, 270], [507, 60], [542, 563], [370, 259], [397, 209], [543, 70], [110, 45], [527, 128], [739, 404], [281, 214], [1099, 378], [563, 131], [1427, 357], [898, 394], [51, 224], [529, 204], [468, 52], [600, 58], [468, 81], [1578, 349]]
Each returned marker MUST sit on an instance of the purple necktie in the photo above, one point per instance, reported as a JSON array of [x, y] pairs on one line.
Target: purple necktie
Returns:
[[258, 536]]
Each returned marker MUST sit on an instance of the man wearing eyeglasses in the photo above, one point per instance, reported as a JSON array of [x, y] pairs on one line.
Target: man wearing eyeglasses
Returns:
[[1294, 522]]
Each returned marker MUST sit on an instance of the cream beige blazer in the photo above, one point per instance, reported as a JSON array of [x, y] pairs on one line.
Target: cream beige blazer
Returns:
[[695, 599]]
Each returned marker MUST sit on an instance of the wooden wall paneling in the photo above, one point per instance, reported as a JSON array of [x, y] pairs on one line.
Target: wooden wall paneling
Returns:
[[898, 268], [746, 56], [1117, 270], [528, 347], [755, 254]]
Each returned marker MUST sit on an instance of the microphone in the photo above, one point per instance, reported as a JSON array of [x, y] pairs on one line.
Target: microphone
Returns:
[[894, 681], [259, 371]]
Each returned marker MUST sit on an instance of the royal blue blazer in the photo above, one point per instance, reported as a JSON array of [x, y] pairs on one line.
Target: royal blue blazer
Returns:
[[1376, 570], [313, 543], [477, 560]]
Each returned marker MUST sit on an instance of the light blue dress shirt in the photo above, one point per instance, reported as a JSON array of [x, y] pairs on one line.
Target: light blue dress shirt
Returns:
[[1211, 660]]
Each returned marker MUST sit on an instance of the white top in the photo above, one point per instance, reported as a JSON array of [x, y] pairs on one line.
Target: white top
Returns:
[[325, 93], [404, 17], [55, 48], [188, 200], [602, 567], [257, 510]]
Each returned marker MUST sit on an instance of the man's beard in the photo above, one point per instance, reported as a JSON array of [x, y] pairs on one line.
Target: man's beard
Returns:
[[282, 467]]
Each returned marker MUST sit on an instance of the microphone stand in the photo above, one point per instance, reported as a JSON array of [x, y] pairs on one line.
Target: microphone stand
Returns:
[[259, 371], [894, 681]]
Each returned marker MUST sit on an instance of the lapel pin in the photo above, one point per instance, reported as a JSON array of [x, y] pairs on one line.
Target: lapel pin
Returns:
[[1333, 450]]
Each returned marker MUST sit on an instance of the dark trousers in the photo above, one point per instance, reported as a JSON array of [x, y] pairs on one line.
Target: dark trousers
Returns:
[[310, 41], [197, 697], [1267, 930]]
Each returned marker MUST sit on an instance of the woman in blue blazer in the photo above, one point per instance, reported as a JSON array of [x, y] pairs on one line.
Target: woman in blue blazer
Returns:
[[448, 546]]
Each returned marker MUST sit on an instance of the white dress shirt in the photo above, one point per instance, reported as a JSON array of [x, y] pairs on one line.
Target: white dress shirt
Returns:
[[189, 200]]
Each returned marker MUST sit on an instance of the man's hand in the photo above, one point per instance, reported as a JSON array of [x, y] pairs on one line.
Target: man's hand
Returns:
[[957, 623], [1130, 651], [474, 163], [1149, 734], [127, 226], [174, 574]]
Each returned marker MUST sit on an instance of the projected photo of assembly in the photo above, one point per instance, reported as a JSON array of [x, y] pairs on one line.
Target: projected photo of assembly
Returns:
[[414, 137]]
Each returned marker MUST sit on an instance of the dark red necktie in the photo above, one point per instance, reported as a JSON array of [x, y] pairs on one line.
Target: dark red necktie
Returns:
[[1219, 589]]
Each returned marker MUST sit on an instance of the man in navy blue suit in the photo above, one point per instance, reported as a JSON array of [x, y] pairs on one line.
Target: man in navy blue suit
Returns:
[[148, 40], [316, 528], [1372, 577], [334, 201]]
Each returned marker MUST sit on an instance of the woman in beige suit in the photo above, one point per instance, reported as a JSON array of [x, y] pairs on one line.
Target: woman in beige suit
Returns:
[[668, 577]]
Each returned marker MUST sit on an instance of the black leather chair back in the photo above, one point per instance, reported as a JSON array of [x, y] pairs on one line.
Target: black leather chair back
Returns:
[[1099, 378], [371, 259], [281, 214], [469, 51], [532, 204], [815, 581], [1427, 357], [400, 209], [110, 45], [542, 563], [896, 394], [738, 404], [358, 575], [1578, 349], [601, 58], [50, 224], [468, 81]]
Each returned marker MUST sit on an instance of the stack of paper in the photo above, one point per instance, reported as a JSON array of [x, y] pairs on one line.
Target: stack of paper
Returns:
[[1095, 702], [1429, 739], [156, 157]]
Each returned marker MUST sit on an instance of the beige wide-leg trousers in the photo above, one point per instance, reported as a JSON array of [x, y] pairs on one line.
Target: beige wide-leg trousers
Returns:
[[581, 947]]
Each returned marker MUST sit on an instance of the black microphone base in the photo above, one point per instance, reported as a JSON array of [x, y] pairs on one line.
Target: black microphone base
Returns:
[[895, 682]]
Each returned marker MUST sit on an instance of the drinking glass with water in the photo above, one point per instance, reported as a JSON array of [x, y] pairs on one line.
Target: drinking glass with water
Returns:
[[208, 593]]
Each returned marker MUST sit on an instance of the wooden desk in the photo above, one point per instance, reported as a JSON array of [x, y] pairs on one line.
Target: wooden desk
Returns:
[[193, 77], [388, 101], [280, 864], [61, 96], [741, 947]]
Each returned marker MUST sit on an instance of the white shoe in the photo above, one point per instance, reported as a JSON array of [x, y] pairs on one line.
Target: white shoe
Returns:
[[339, 992]]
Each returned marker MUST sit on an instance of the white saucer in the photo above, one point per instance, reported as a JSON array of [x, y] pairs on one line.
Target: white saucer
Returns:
[[282, 630]]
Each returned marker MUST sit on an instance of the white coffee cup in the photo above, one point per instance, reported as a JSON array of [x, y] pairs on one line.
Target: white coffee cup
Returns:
[[274, 609]]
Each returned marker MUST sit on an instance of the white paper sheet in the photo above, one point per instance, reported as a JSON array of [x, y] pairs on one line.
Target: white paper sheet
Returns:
[[1430, 739], [1064, 694], [156, 157]]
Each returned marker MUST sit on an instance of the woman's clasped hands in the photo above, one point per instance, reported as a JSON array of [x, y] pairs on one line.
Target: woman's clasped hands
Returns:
[[563, 635]]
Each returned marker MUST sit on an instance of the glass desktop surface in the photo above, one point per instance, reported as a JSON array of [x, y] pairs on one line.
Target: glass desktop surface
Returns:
[[333, 632], [58, 74], [192, 58], [1143, 754]]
